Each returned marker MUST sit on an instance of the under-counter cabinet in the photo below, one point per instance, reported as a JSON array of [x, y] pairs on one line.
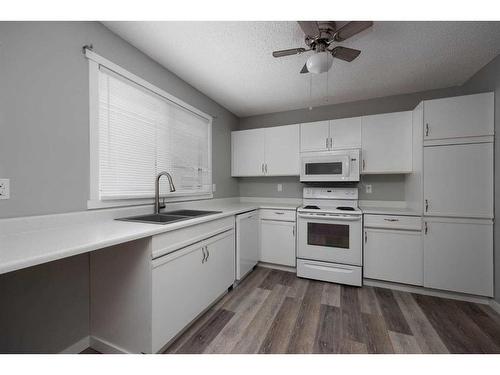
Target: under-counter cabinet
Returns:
[[458, 255], [330, 135], [145, 292], [392, 249], [458, 117], [386, 141], [277, 231], [265, 152]]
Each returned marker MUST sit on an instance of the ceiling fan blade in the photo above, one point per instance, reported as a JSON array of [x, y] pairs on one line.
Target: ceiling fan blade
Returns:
[[350, 29], [288, 52], [344, 53], [304, 69], [310, 28]]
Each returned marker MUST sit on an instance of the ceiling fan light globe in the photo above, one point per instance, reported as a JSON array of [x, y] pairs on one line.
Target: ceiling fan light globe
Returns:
[[320, 62]]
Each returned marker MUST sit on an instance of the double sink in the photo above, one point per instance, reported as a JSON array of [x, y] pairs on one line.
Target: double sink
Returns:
[[169, 217]]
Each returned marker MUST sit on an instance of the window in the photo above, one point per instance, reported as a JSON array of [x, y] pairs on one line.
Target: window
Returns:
[[140, 131]]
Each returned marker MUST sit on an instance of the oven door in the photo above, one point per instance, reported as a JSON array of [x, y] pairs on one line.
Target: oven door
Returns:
[[328, 167], [330, 238]]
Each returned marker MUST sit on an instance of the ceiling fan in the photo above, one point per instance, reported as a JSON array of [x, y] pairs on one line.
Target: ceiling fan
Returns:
[[320, 35]]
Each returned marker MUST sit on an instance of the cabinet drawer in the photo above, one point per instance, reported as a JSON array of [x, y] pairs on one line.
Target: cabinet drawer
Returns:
[[331, 272], [393, 222], [282, 215], [165, 243]]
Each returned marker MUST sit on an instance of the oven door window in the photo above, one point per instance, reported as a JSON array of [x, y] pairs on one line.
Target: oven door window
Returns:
[[329, 235], [326, 168]]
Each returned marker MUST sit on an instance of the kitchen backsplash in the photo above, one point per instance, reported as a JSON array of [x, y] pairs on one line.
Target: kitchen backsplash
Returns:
[[384, 187]]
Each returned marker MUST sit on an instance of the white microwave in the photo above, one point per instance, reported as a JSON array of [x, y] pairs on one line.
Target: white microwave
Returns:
[[340, 165]]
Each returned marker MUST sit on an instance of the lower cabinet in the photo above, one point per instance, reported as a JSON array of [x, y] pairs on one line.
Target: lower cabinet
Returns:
[[186, 282], [458, 255], [277, 239], [393, 255]]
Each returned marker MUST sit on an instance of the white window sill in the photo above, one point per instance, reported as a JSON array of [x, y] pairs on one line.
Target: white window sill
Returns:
[[97, 204]]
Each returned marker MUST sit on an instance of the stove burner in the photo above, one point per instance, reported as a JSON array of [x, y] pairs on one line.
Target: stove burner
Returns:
[[311, 207], [345, 208]]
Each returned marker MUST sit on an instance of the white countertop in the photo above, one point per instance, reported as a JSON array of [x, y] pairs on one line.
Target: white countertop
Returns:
[[26, 242]]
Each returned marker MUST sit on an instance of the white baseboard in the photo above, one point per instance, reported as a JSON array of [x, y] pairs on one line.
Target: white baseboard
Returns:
[[77, 347], [277, 267], [495, 305], [427, 291], [105, 347]]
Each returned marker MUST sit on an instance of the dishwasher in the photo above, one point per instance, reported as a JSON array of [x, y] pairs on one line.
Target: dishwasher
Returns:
[[247, 242]]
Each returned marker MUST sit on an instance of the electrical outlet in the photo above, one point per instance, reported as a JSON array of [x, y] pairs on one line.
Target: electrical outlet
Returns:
[[213, 188], [4, 188], [368, 189], [280, 187]]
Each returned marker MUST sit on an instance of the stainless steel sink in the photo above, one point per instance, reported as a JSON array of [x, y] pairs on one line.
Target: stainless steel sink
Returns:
[[168, 217], [155, 218], [191, 213]]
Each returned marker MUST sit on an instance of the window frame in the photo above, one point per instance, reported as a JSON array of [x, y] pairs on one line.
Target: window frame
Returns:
[[94, 200]]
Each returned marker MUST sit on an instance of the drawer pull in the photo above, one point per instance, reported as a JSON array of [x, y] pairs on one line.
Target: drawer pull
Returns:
[[391, 220], [279, 213]]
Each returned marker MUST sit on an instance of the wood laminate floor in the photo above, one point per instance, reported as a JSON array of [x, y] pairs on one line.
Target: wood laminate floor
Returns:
[[274, 311]]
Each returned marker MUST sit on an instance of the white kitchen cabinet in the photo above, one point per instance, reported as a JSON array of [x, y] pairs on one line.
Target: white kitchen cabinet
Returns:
[[314, 136], [458, 180], [458, 255], [265, 152], [393, 255], [282, 151], [387, 143], [247, 152], [345, 133], [459, 117], [186, 282], [278, 240]]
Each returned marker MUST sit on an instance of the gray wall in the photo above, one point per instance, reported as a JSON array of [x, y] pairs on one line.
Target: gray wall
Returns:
[[44, 113], [488, 79], [389, 188], [44, 150]]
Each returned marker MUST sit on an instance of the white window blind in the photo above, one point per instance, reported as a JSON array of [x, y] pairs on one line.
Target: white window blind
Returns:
[[141, 134]]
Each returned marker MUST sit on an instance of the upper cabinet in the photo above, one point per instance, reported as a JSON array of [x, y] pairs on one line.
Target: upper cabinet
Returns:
[[265, 152], [330, 135], [314, 136], [387, 143], [458, 117], [345, 133]]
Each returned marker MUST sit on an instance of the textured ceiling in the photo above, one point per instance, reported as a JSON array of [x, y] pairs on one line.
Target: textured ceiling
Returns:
[[231, 62]]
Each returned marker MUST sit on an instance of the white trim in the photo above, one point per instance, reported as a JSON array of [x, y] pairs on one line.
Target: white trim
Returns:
[[94, 201], [277, 267], [106, 347], [138, 80], [77, 347], [96, 204], [426, 291], [495, 305]]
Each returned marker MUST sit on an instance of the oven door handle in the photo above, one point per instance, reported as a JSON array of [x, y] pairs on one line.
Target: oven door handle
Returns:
[[330, 217]]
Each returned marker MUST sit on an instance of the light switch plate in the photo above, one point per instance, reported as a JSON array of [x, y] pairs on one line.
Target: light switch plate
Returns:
[[4, 188], [368, 189], [280, 187]]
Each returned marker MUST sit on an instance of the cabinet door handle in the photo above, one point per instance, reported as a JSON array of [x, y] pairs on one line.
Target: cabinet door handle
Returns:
[[326, 142], [391, 219], [204, 255], [262, 167], [293, 230], [364, 164], [208, 253], [366, 237], [279, 213], [427, 129], [265, 167], [426, 228], [426, 205]]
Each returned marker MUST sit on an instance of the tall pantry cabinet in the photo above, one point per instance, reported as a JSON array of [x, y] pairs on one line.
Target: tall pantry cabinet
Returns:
[[458, 135]]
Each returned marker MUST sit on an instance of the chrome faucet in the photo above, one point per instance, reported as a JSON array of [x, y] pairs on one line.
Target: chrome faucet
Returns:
[[157, 189]]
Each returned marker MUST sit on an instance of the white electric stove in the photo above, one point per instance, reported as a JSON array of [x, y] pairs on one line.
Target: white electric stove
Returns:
[[329, 235]]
